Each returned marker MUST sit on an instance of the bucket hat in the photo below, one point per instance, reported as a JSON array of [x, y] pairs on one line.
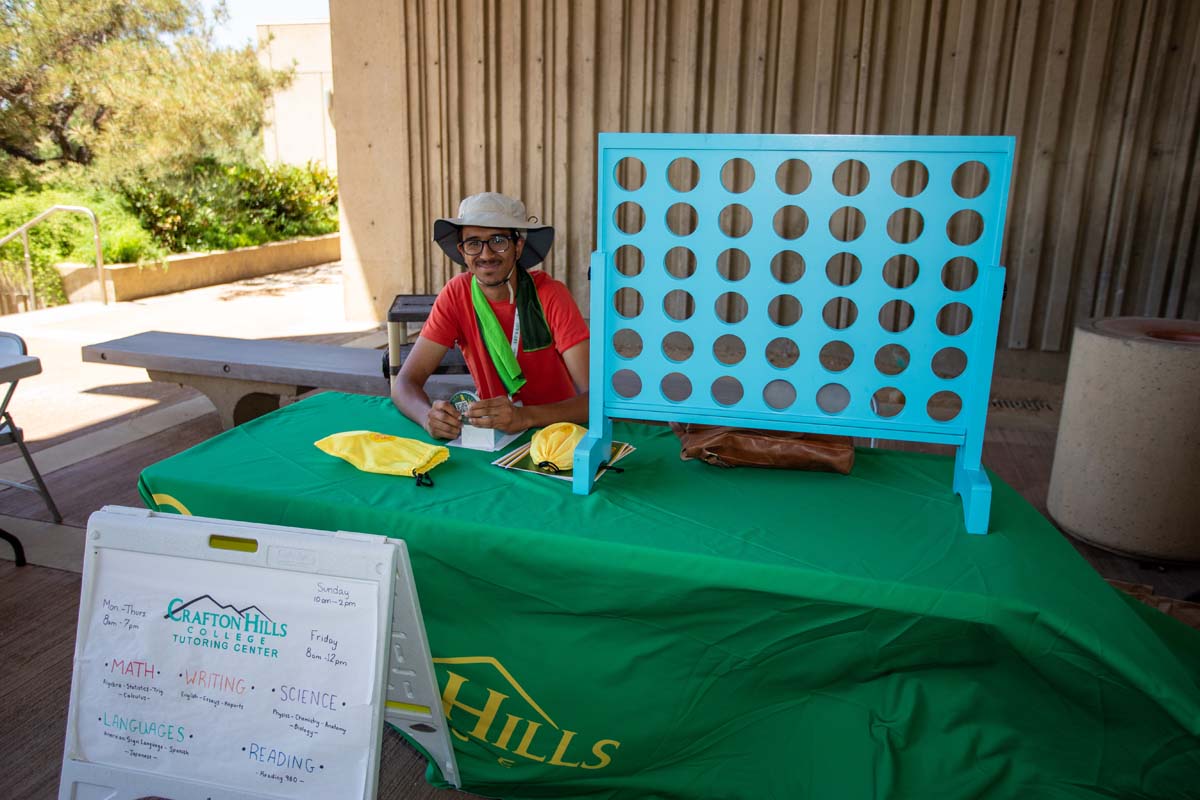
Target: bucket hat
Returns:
[[494, 210]]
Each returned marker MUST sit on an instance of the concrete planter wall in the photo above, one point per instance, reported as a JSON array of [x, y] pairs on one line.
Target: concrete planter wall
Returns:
[[193, 270]]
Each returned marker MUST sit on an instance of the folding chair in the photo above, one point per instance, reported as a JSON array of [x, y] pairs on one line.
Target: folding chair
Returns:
[[11, 344]]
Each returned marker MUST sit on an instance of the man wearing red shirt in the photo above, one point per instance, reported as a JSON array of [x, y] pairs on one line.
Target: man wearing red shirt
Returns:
[[520, 332]]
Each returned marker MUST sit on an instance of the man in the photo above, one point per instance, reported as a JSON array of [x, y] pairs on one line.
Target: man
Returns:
[[520, 332]]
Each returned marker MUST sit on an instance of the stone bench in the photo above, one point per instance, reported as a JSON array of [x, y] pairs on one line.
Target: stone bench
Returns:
[[246, 378]]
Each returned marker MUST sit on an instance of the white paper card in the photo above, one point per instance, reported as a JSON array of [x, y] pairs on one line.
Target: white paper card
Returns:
[[488, 439]]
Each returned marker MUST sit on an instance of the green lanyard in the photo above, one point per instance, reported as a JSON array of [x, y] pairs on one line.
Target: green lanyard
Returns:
[[502, 351]]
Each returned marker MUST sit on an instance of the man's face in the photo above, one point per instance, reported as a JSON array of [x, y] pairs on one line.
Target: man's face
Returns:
[[489, 267]]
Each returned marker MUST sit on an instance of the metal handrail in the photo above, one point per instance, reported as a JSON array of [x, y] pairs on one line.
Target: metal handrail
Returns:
[[23, 232]]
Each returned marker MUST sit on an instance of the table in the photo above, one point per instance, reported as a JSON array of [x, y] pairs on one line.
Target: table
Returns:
[[686, 631], [14, 367]]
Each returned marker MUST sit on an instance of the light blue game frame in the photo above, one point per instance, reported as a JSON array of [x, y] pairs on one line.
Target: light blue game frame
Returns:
[[928, 294]]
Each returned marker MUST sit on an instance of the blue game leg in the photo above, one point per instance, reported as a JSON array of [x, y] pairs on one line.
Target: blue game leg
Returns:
[[592, 451], [972, 485], [596, 447]]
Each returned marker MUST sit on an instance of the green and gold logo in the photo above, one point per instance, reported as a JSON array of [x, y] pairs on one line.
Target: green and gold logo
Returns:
[[205, 622], [483, 701]]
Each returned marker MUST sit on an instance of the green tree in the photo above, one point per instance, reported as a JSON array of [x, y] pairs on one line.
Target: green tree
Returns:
[[124, 86]]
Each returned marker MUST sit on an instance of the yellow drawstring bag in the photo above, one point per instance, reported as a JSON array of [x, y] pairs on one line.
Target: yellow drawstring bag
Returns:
[[386, 454], [555, 445]]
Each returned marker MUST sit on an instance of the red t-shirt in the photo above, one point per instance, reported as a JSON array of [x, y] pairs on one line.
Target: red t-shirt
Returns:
[[453, 321]]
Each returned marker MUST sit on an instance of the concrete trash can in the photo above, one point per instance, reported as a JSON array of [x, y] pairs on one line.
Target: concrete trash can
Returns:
[[1126, 473]]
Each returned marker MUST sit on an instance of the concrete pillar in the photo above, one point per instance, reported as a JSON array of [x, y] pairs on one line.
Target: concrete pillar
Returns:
[[371, 117]]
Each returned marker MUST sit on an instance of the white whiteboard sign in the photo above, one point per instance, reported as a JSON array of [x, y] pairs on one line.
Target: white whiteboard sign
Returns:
[[205, 671]]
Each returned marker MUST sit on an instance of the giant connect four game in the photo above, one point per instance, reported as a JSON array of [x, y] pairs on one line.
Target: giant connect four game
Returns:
[[829, 284]]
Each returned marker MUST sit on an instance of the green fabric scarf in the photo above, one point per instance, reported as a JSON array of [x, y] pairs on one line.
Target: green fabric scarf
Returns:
[[535, 331]]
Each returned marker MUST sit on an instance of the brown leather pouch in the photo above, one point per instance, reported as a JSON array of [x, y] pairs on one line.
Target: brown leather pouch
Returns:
[[723, 446]]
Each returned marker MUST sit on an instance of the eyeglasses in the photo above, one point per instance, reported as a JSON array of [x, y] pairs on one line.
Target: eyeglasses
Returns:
[[497, 243]]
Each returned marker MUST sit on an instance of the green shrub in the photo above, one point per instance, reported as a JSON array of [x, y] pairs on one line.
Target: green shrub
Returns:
[[217, 206], [129, 244], [68, 236], [213, 206]]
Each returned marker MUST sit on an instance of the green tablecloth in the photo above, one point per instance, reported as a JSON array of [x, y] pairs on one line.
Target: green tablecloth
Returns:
[[690, 632]]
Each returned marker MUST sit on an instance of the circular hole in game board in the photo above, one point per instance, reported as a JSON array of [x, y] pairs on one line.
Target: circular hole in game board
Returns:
[[791, 222], [784, 310], [840, 313], [793, 176], [735, 220], [787, 266], [896, 316], [627, 343], [676, 387], [729, 349], [851, 177], [678, 346], [731, 307], [843, 269], [630, 173], [964, 227], [627, 383], [970, 179], [627, 302], [847, 224], [683, 174], [727, 390], [833, 398], [910, 178], [905, 225], [836, 356], [680, 262], [628, 260], [954, 318], [892, 359], [733, 264], [959, 273], [949, 362], [681, 219], [943, 406], [629, 218], [779, 394], [782, 352], [679, 304], [737, 175], [888, 401], [900, 271]]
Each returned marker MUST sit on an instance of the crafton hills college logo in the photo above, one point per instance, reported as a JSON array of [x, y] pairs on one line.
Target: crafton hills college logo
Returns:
[[483, 701]]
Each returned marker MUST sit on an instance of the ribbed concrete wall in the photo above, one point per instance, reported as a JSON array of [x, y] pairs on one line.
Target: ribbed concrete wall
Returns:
[[440, 99]]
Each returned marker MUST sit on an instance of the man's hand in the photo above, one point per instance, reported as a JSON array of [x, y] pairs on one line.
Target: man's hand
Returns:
[[443, 422], [498, 413]]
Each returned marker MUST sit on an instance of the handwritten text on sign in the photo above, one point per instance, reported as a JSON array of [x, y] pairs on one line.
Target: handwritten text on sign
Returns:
[[253, 678]]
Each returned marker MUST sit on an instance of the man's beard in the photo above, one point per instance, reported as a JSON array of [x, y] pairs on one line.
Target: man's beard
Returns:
[[500, 282]]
